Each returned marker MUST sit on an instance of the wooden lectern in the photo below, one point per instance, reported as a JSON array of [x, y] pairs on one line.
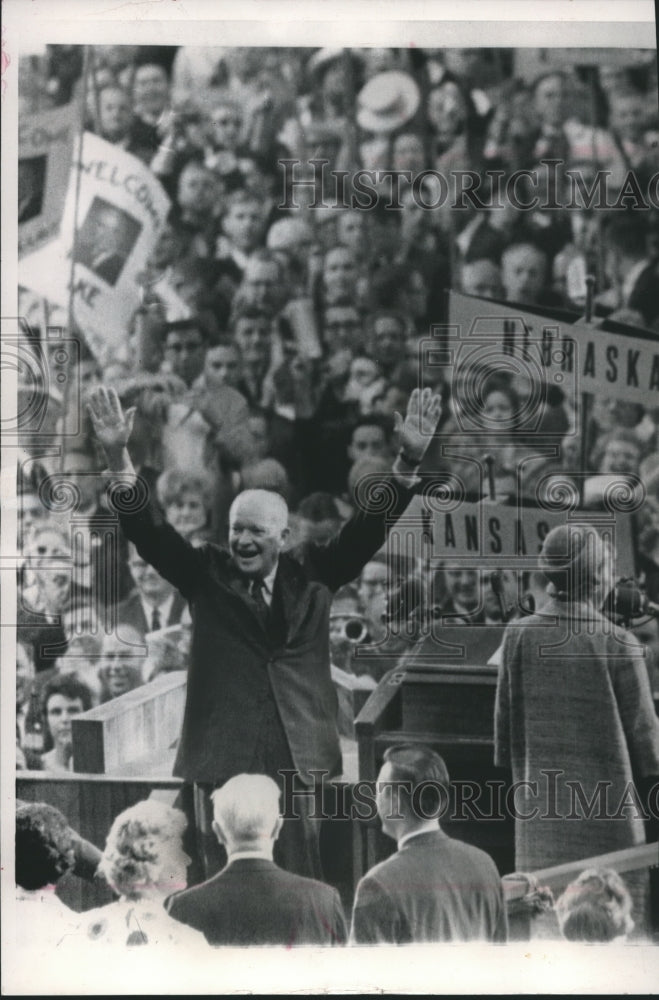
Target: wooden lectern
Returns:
[[134, 734]]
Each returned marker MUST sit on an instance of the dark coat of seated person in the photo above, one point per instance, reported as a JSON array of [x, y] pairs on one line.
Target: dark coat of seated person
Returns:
[[434, 888], [252, 901]]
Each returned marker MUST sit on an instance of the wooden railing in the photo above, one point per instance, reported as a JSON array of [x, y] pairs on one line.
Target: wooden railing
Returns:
[[521, 917]]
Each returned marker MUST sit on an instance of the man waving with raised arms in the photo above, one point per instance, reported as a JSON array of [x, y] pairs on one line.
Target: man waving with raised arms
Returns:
[[260, 697]]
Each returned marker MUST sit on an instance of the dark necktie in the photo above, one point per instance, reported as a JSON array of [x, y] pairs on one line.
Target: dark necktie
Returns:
[[155, 620], [256, 593]]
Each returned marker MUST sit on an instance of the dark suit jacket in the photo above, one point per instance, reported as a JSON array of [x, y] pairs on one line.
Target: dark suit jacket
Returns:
[[254, 902], [643, 296], [237, 666], [109, 268], [130, 612], [433, 889]]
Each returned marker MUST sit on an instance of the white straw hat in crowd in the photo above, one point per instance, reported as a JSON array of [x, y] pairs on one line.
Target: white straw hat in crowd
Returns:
[[388, 101]]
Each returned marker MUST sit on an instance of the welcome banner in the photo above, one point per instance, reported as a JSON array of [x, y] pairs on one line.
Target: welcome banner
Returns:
[[121, 210]]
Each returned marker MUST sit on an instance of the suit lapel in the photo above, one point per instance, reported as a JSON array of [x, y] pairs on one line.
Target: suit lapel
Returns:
[[289, 600], [176, 610], [138, 610], [291, 586]]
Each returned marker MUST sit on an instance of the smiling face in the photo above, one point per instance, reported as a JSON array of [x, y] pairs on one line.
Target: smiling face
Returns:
[[497, 410], [621, 457], [121, 665], [186, 513], [363, 372], [463, 586], [49, 555], [258, 530]]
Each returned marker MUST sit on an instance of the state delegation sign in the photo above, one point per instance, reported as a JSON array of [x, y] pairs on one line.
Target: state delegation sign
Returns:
[[573, 356], [487, 535]]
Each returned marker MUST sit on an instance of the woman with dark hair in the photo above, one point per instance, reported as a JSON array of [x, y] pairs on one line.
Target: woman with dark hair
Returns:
[[143, 862], [63, 697], [457, 131], [45, 851]]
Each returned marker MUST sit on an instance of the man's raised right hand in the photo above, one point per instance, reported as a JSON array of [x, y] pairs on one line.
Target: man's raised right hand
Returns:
[[112, 426]]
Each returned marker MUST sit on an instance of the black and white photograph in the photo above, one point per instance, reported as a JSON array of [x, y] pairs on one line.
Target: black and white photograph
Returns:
[[332, 580], [107, 236]]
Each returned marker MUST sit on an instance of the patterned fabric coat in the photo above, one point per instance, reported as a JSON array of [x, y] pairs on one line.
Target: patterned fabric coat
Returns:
[[574, 714]]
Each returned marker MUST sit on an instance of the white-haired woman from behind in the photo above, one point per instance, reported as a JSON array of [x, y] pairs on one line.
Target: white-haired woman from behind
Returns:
[[595, 908], [143, 862]]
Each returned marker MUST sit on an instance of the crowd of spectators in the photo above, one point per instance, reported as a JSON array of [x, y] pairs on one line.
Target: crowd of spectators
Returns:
[[273, 346]]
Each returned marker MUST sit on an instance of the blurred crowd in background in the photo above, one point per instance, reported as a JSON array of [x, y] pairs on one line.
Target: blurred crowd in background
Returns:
[[273, 346]]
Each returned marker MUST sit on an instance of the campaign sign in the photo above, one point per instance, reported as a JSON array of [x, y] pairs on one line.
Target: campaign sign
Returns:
[[45, 150], [121, 209]]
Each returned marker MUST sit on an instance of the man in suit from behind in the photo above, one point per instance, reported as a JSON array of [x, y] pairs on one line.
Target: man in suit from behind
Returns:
[[434, 888], [252, 901], [153, 604]]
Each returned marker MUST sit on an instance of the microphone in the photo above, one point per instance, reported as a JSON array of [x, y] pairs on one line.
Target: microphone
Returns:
[[628, 601], [496, 583]]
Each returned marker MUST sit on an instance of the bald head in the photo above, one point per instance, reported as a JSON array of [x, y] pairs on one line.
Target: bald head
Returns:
[[258, 531], [246, 813]]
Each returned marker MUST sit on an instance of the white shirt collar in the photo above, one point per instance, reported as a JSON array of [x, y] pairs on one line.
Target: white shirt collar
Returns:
[[239, 855], [267, 585], [269, 581], [417, 833], [164, 610]]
